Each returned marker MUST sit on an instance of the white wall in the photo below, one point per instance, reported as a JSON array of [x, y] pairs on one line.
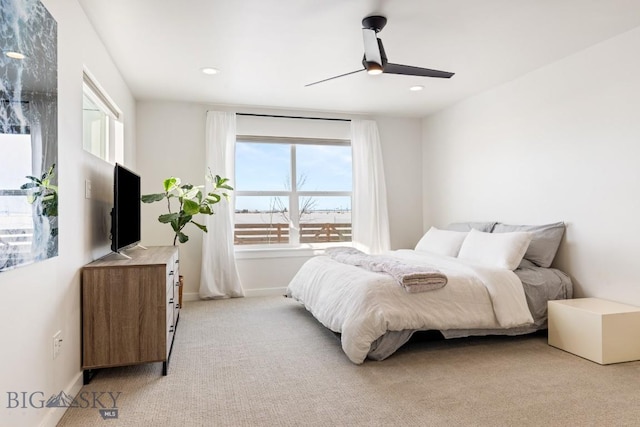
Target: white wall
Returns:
[[161, 124], [558, 144], [45, 297], [402, 152]]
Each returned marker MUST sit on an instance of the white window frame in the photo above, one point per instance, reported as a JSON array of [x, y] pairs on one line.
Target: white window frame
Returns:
[[294, 194], [114, 131]]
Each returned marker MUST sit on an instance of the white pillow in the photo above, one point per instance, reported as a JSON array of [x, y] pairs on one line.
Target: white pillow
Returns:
[[496, 250], [443, 242]]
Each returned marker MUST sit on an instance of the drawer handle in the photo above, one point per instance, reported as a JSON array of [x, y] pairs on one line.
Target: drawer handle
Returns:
[[171, 273], [171, 301], [177, 284], [177, 261], [171, 328]]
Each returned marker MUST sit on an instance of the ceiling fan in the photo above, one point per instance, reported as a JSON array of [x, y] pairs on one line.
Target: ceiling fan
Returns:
[[375, 59]]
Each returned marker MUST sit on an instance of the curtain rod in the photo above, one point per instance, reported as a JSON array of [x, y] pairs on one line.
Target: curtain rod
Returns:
[[293, 117]]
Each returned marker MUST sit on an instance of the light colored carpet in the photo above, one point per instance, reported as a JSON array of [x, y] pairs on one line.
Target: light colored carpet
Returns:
[[268, 362]]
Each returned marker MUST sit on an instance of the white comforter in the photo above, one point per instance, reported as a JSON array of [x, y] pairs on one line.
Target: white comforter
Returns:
[[363, 305]]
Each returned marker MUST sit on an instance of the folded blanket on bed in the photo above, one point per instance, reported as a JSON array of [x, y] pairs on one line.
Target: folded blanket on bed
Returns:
[[412, 278]]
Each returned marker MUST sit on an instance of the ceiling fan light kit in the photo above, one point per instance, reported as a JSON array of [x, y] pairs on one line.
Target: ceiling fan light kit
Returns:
[[373, 68], [375, 58]]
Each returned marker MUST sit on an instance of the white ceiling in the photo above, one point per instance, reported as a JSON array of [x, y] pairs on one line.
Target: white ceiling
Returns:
[[267, 50]]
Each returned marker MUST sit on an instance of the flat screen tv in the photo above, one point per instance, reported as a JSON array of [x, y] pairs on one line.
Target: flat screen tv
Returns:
[[125, 216]]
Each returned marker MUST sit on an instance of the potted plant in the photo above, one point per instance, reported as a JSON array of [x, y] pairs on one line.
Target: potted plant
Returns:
[[191, 201], [43, 194]]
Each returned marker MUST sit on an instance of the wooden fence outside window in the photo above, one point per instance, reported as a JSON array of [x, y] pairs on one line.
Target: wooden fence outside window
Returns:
[[255, 234]]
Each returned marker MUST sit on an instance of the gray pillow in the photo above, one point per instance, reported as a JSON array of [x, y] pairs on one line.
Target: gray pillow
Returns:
[[544, 245], [468, 226]]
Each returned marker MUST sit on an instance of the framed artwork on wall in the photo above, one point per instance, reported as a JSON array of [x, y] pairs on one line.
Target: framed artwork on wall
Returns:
[[28, 134]]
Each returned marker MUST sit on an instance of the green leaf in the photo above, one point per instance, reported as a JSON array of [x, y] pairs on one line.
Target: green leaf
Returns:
[[190, 207], [150, 198], [33, 178], [52, 210], [191, 193], [222, 183], [213, 198], [182, 237], [165, 218], [171, 183], [183, 220], [200, 226], [206, 209], [28, 185]]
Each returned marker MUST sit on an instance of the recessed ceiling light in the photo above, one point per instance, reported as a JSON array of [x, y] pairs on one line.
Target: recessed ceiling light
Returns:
[[15, 55], [210, 70], [416, 88]]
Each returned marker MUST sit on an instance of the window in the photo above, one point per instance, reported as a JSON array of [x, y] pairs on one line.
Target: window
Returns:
[[16, 214], [102, 131], [290, 191]]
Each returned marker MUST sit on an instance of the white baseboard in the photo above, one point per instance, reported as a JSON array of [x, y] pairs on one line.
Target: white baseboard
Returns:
[[54, 415], [190, 296], [263, 292]]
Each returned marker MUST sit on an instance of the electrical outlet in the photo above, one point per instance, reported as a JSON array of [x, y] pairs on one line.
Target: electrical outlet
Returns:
[[57, 344]]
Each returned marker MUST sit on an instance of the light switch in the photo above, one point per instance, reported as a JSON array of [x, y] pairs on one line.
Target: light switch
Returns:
[[87, 189]]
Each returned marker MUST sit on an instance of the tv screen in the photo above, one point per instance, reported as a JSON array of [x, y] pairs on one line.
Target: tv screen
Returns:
[[125, 217]]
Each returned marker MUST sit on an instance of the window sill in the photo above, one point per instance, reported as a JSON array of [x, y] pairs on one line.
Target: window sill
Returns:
[[265, 251]]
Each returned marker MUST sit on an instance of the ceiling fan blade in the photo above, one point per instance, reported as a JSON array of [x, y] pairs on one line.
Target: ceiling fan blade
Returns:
[[371, 49], [334, 77], [408, 70]]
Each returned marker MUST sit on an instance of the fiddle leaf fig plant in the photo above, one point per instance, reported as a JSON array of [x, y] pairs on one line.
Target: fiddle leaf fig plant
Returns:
[[42, 193], [192, 200], [42, 190]]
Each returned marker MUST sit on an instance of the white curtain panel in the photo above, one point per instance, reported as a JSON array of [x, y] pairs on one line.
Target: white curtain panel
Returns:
[[219, 277], [369, 215]]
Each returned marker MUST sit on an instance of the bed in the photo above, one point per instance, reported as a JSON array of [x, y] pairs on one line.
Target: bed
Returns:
[[498, 281]]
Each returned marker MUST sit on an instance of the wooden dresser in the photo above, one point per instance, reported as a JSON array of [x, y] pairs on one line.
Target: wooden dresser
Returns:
[[130, 309]]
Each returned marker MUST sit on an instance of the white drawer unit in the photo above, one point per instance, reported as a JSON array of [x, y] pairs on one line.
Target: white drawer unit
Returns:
[[596, 329]]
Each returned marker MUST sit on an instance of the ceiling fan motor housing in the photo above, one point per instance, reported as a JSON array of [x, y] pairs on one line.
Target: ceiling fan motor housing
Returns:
[[383, 56], [375, 23]]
